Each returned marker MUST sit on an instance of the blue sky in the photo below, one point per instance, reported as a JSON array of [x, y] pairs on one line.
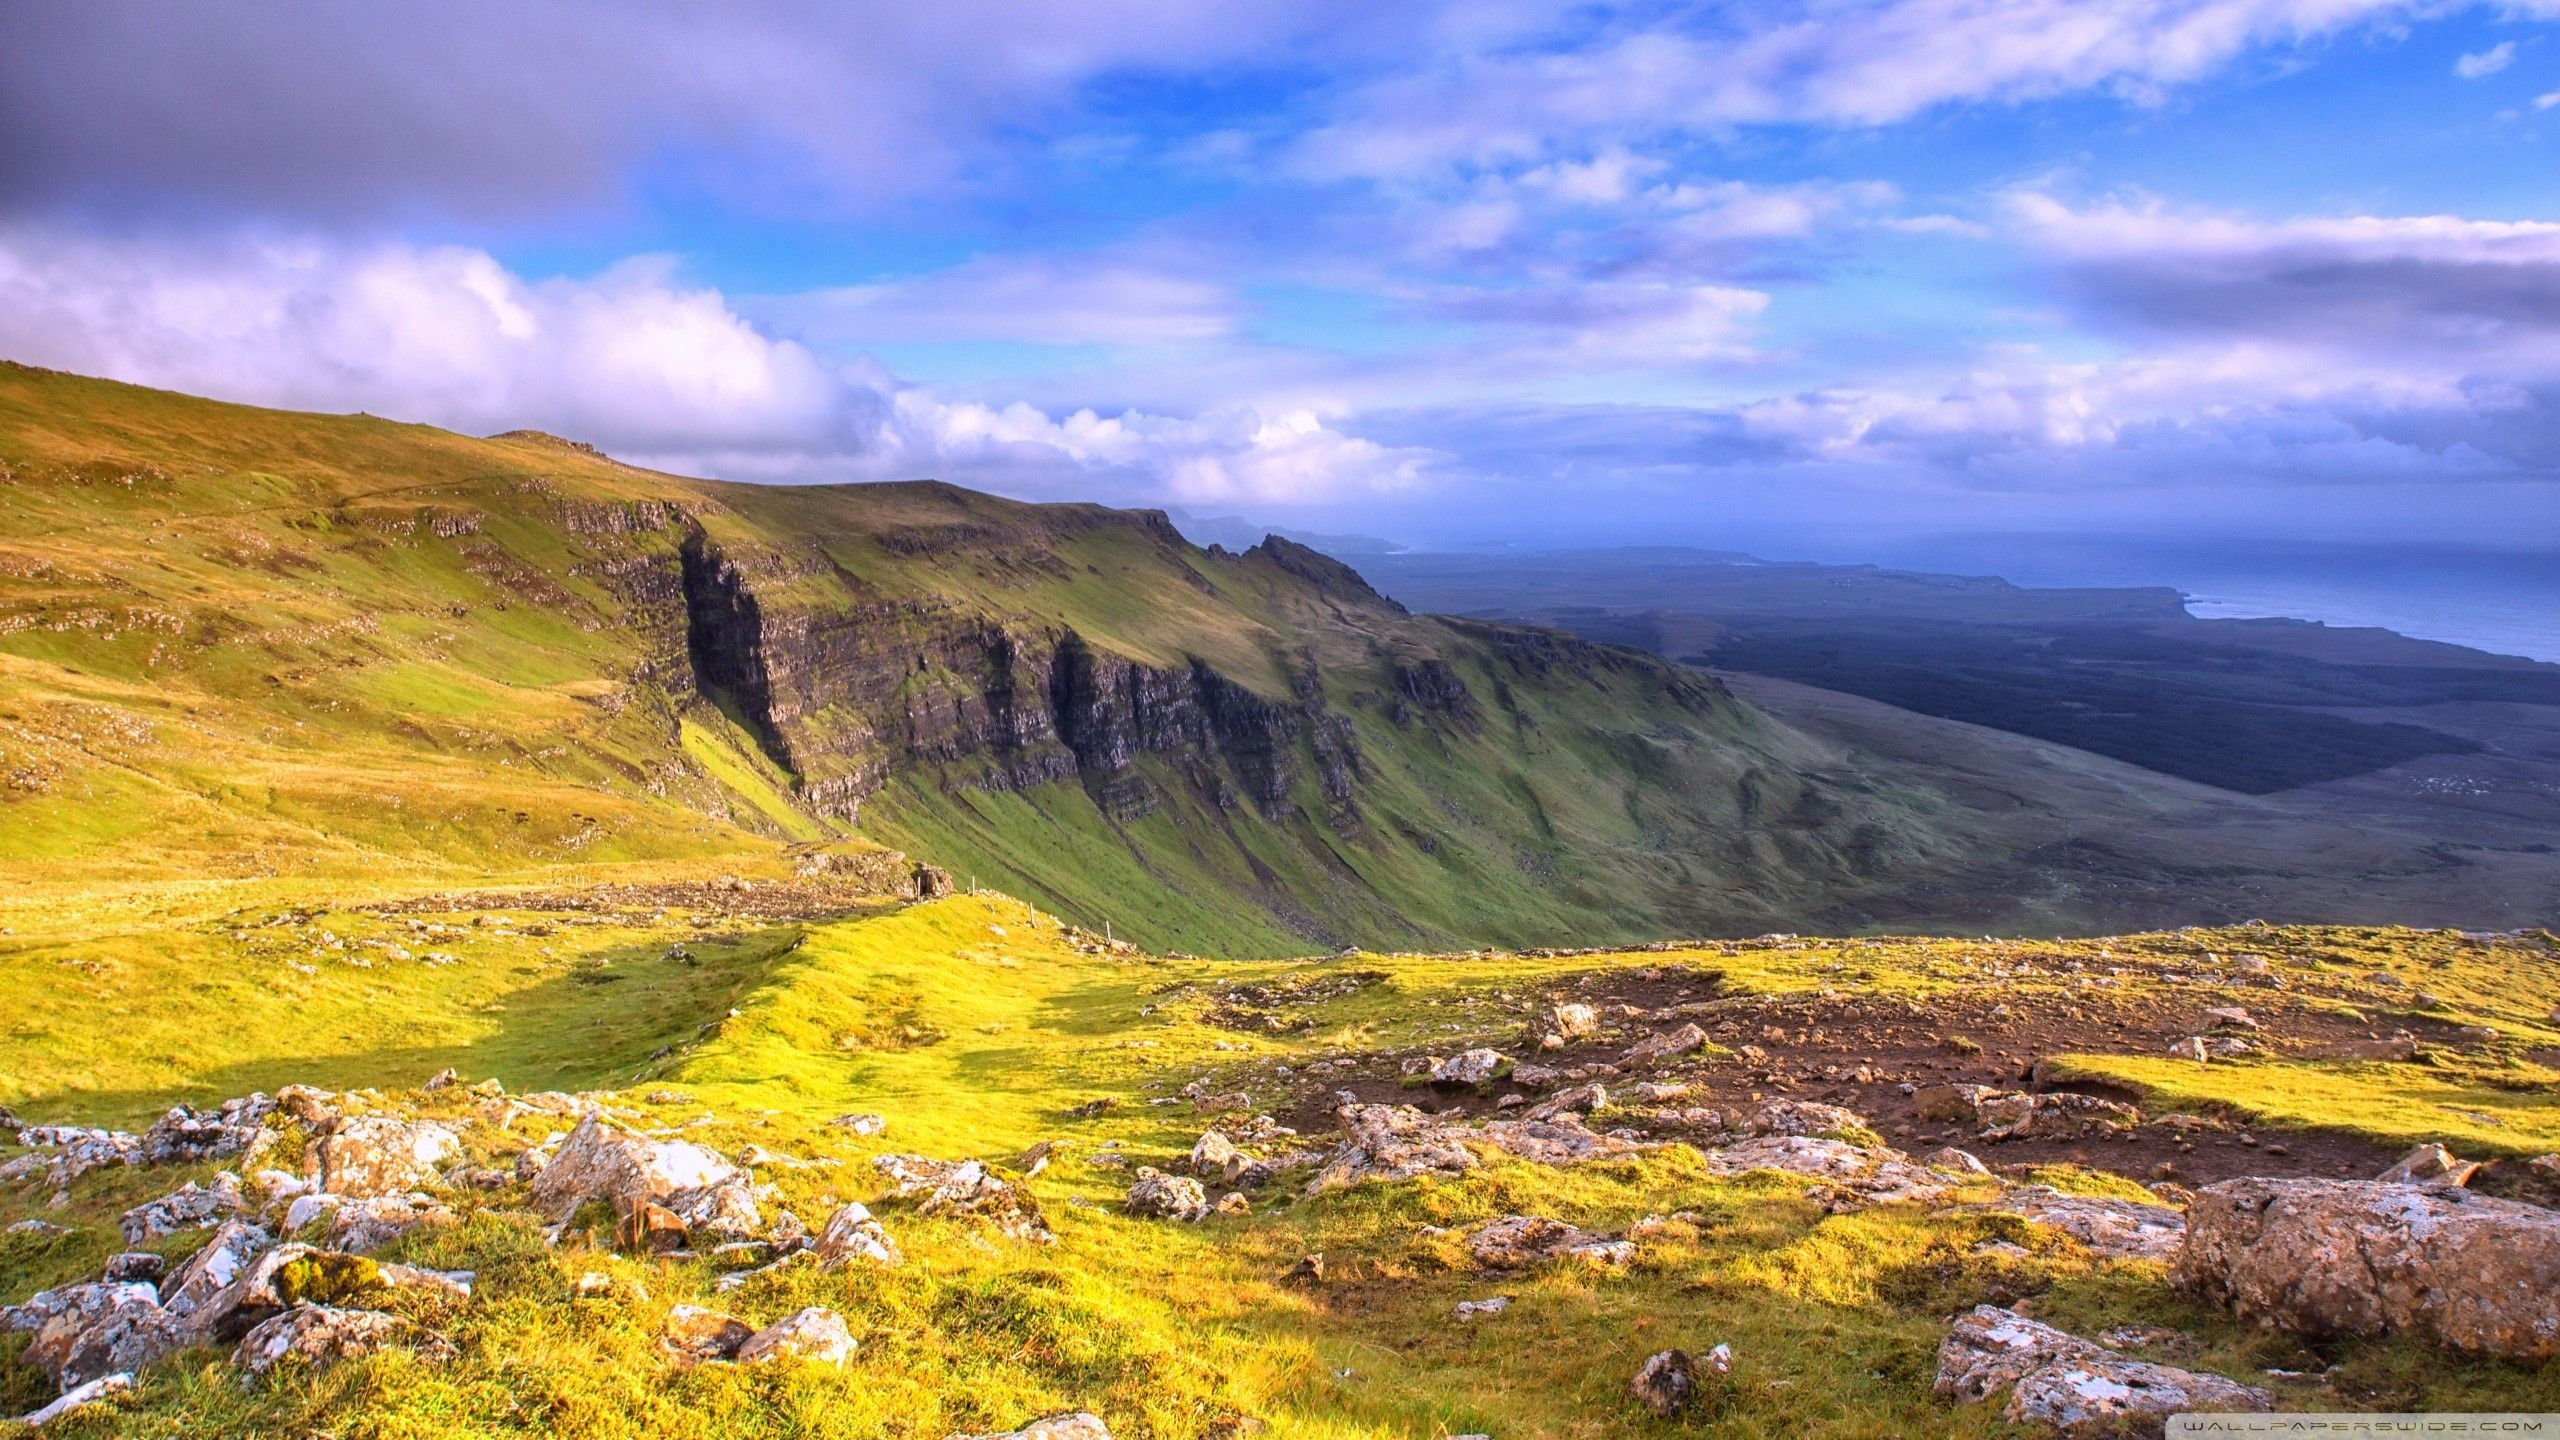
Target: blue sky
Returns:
[[1497, 273]]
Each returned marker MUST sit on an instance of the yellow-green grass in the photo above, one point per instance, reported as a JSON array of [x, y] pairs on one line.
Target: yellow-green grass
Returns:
[[974, 1024]]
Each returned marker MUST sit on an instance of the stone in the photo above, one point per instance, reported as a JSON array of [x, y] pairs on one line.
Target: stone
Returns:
[[1961, 1162], [277, 1279], [1801, 1117], [1078, 1425], [78, 1397], [2192, 1048], [134, 1266], [852, 1234], [1492, 1305], [600, 1161], [367, 1155], [361, 1227], [1470, 1067], [2058, 1115], [1653, 1049], [2429, 1164], [2361, 1257], [2231, 1017], [1308, 1271], [813, 1336], [2075, 1385], [1563, 1024], [207, 1272], [1168, 1197], [102, 1329], [319, 1334], [2117, 1229], [1517, 1242], [645, 1227], [692, 1332], [1215, 1157], [1869, 1176], [861, 1124], [722, 1212], [2403, 1046], [1666, 1381], [1580, 1100], [1951, 1104], [186, 1134], [1036, 1159], [968, 1188]]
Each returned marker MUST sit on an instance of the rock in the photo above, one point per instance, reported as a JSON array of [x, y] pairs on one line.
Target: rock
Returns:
[[2073, 1384], [1233, 1203], [2059, 1115], [361, 1227], [2360, 1257], [134, 1267], [645, 1227], [186, 1134], [368, 1155], [204, 1274], [1398, 1142], [1665, 1382], [1080, 1425], [694, 1333], [1516, 1242], [322, 1333], [1238, 1103], [76, 1398], [1561, 1025], [2429, 1164], [861, 1124], [2403, 1046], [1167, 1197], [1961, 1162], [814, 1336], [1878, 1176], [852, 1234], [1493, 1305], [277, 1279], [1654, 1049], [601, 1162], [1216, 1157], [722, 1212], [2117, 1229], [1951, 1104], [1308, 1271], [102, 1329], [2192, 1048], [1801, 1117], [1580, 1100], [1470, 1067], [965, 1188], [2231, 1017], [1036, 1159]]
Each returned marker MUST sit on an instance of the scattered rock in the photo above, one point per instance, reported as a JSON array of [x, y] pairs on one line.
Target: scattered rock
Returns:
[[76, 1398], [2231, 1017], [861, 1124], [361, 1227], [1878, 1176], [1666, 1381], [1961, 1162], [2429, 1164], [1801, 1117], [694, 1333], [2058, 1115], [135, 1266], [101, 1329], [602, 1162], [1470, 1067], [210, 1270], [1951, 1104], [2117, 1229], [1516, 1242], [722, 1212], [815, 1336], [1216, 1157], [322, 1333], [1169, 1197], [368, 1155], [2360, 1257], [968, 1188], [1563, 1024], [1654, 1049], [852, 1234], [1081, 1425], [2075, 1385], [1492, 1305]]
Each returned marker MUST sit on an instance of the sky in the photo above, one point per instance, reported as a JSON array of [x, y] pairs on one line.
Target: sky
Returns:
[[1492, 273]]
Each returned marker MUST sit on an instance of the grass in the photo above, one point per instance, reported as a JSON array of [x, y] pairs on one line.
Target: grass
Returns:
[[975, 1024]]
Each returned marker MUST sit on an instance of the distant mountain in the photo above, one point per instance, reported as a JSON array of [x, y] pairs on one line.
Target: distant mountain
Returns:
[[1234, 532]]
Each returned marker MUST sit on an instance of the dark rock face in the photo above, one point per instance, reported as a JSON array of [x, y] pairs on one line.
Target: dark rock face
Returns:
[[844, 698]]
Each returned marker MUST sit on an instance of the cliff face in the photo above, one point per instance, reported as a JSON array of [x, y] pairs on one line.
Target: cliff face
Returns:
[[843, 698]]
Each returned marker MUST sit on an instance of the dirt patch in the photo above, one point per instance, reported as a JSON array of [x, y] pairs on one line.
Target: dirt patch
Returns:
[[766, 901]]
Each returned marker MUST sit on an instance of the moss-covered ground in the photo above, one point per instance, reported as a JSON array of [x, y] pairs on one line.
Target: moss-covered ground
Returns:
[[978, 1026]]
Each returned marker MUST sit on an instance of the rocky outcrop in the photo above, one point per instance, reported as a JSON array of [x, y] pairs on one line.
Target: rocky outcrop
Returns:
[[2076, 1386], [814, 1335], [1398, 1142], [319, 1334], [1517, 1242], [2351, 1257], [966, 1188], [600, 1161], [1167, 1197], [2118, 1229]]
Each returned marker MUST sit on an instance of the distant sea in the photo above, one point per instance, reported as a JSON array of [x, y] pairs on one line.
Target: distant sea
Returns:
[[2506, 601]]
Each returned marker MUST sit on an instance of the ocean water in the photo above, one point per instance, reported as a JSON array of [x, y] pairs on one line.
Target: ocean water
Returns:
[[2506, 601]]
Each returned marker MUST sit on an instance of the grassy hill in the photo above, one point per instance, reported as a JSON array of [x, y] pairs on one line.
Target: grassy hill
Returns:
[[246, 648]]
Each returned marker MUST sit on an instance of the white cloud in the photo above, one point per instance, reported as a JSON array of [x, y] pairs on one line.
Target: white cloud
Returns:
[[2545, 102], [2487, 62], [651, 369], [1030, 299]]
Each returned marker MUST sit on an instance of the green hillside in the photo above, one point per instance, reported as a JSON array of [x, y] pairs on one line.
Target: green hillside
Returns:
[[250, 650]]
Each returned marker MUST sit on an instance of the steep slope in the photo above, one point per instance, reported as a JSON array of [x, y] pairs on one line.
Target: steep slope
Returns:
[[238, 643]]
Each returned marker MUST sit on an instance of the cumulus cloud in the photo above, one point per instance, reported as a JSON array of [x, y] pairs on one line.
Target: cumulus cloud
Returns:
[[2485, 63], [633, 359]]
